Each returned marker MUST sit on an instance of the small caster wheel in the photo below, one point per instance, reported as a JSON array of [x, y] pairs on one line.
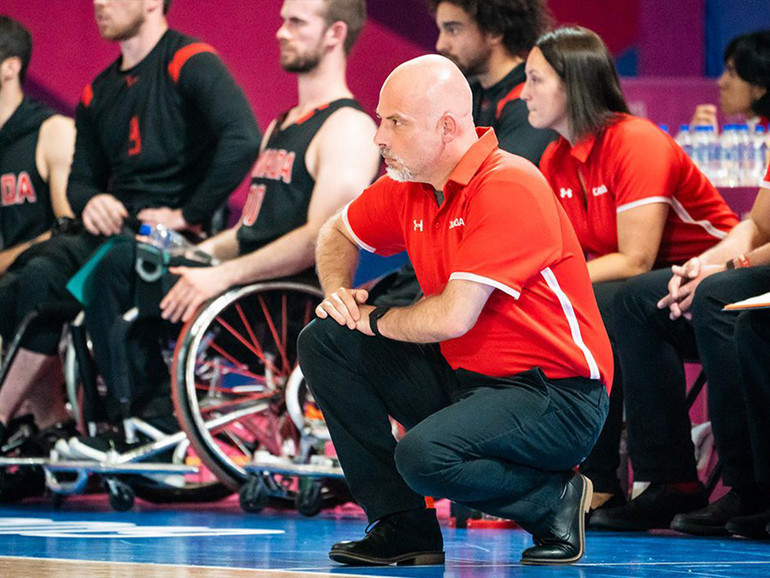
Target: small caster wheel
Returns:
[[121, 495], [253, 495], [57, 501], [308, 501]]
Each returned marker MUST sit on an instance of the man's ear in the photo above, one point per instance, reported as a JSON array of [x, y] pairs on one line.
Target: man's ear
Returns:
[[336, 33], [449, 127]]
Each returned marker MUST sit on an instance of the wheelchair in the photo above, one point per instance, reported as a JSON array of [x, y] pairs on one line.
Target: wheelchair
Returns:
[[241, 398]]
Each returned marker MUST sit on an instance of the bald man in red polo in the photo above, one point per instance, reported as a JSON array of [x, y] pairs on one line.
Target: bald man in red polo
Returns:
[[500, 373]]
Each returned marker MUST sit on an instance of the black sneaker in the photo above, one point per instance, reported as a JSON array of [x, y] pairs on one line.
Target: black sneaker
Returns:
[[618, 499], [45, 440], [750, 526], [411, 538], [96, 448], [654, 508], [711, 520]]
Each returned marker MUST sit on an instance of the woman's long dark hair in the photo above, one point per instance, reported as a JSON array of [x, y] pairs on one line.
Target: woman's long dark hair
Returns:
[[750, 55], [587, 69]]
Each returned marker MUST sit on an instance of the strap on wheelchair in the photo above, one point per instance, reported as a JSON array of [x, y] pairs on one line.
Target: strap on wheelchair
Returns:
[[151, 265]]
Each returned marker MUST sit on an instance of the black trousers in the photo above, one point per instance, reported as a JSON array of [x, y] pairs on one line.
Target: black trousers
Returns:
[[602, 464], [652, 349], [38, 276], [504, 446]]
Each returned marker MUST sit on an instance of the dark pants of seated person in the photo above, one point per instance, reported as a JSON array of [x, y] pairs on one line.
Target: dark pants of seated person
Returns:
[[602, 464], [499, 445], [752, 340], [40, 275], [652, 348]]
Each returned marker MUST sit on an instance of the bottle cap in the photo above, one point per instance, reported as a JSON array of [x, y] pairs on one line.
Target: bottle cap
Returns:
[[704, 128], [759, 128], [145, 229], [684, 127]]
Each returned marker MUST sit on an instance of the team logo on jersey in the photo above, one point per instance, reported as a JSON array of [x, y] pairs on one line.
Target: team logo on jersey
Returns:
[[599, 190], [418, 225], [17, 190], [274, 164], [456, 223], [565, 193]]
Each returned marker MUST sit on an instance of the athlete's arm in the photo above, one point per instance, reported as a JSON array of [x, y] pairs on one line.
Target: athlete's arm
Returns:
[[206, 83], [345, 164], [56, 144]]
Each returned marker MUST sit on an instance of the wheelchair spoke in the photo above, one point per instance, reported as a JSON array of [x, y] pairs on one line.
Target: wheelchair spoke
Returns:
[[281, 345], [259, 353]]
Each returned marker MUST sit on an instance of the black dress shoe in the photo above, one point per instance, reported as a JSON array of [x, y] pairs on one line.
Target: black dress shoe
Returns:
[[653, 508], [617, 499], [564, 542], [750, 526], [411, 538], [711, 520]]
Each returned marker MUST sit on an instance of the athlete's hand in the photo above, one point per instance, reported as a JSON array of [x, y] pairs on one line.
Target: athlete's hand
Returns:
[[344, 306], [682, 286], [169, 218], [104, 215], [195, 286]]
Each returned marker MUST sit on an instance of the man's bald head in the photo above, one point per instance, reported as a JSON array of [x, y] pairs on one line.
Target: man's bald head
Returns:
[[426, 120], [430, 86]]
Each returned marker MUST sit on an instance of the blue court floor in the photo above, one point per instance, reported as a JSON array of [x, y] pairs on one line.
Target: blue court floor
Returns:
[[221, 535]]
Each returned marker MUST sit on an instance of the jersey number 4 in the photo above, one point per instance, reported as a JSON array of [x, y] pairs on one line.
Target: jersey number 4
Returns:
[[134, 137]]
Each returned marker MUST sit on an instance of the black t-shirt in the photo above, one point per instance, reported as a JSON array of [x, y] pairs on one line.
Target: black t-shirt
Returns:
[[175, 130], [500, 107], [25, 198], [281, 186]]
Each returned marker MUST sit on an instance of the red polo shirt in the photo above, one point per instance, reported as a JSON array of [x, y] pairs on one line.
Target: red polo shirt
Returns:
[[499, 225], [766, 183], [633, 163]]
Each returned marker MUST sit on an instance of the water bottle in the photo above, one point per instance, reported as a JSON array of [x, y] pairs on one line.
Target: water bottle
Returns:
[[705, 149], [684, 139], [745, 154], [730, 165], [760, 160], [172, 242]]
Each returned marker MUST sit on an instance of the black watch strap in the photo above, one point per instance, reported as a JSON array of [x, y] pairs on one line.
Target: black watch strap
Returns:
[[374, 317]]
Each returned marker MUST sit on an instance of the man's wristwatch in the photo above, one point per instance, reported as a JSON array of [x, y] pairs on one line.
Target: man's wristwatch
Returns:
[[374, 316]]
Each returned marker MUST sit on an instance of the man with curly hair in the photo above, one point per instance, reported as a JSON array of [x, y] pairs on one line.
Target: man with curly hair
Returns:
[[489, 41]]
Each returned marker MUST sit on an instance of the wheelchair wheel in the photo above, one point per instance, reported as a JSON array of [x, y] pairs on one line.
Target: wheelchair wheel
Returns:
[[231, 365]]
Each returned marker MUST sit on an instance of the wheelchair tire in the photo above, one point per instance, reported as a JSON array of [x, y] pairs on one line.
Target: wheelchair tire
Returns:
[[190, 494], [231, 364]]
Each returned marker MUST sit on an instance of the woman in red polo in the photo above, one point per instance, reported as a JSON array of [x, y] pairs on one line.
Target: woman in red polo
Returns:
[[635, 199]]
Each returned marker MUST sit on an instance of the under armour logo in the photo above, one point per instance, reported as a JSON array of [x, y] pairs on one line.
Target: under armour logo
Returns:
[[599, 190], [418, 225], [565, 193]]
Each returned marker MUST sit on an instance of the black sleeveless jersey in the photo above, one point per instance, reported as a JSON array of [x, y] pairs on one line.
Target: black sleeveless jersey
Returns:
[[25, 211], [175, 130], [281, 186]]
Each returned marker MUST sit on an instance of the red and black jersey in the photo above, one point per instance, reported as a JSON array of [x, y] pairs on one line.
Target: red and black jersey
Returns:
[[25, 200], [500, 106], [175, 130], [281, 186]]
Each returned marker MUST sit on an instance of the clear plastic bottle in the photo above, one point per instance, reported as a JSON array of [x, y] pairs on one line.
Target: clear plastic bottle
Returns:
[[730, 165], [171, 241], [684, 139], [760, 159], [745, 154], [706, 151]]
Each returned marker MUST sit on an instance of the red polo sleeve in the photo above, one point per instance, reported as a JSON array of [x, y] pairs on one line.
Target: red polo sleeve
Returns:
[[512, 232], [766, 182], [643, 163], [372, 218]]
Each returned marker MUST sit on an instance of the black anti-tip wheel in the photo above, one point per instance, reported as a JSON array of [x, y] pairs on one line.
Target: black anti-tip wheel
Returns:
[[309, 500], [253, 495], [121, 495]]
